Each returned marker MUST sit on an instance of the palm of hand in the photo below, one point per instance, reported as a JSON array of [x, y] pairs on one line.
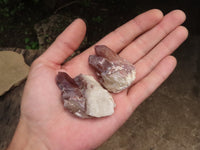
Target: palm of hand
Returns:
[[42, 108]]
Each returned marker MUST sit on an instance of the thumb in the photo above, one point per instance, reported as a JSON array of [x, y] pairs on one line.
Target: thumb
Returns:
[[66, 43]]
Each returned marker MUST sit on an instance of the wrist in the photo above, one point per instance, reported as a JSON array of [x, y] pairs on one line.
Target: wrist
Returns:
[[24, 139]]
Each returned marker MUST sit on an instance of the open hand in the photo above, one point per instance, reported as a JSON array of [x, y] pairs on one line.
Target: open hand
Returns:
[[146, 41]]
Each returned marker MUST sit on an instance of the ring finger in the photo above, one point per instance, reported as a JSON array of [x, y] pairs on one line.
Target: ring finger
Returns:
[[143, 44]]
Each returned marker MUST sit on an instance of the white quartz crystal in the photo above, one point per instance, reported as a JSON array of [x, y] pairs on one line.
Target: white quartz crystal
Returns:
[[99, 102]]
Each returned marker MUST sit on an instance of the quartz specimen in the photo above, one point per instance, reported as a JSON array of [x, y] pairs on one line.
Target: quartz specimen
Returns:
[[84, 96], [114, 72]]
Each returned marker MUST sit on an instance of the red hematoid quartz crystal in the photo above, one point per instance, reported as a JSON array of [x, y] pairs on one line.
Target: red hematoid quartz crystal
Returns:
[[84, 97], [114, 72]]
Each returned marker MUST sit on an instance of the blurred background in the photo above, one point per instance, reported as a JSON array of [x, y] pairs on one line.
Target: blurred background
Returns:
[[18, 17], [168, 120]]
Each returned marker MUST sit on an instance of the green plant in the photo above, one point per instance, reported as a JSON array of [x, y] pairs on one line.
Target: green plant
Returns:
[[97, 19], [5, 12], [31, 44], [4, 1], [8, 10], [26, 40], [2, 28]]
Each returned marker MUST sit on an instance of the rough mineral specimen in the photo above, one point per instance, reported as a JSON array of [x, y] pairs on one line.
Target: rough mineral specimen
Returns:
[[114, 72], [84, 96]]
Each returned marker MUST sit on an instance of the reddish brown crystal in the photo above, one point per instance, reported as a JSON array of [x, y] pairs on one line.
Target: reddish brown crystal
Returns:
[[73, 99], [114, 72], [84, 96]]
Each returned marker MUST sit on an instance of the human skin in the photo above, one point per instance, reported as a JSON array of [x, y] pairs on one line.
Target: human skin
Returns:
[[147, 41]]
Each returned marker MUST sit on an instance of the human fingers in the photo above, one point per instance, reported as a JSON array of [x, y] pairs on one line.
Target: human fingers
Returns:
[[169, 44], [143, 44], [122, 36], [125, 34], [141, 90], [66, 43]]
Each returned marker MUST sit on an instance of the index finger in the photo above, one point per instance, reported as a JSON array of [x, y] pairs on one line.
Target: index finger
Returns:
[[66, 43], [119, 38], [125, 34]]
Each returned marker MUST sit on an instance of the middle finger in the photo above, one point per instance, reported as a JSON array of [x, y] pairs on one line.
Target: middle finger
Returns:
[[143, 44]]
